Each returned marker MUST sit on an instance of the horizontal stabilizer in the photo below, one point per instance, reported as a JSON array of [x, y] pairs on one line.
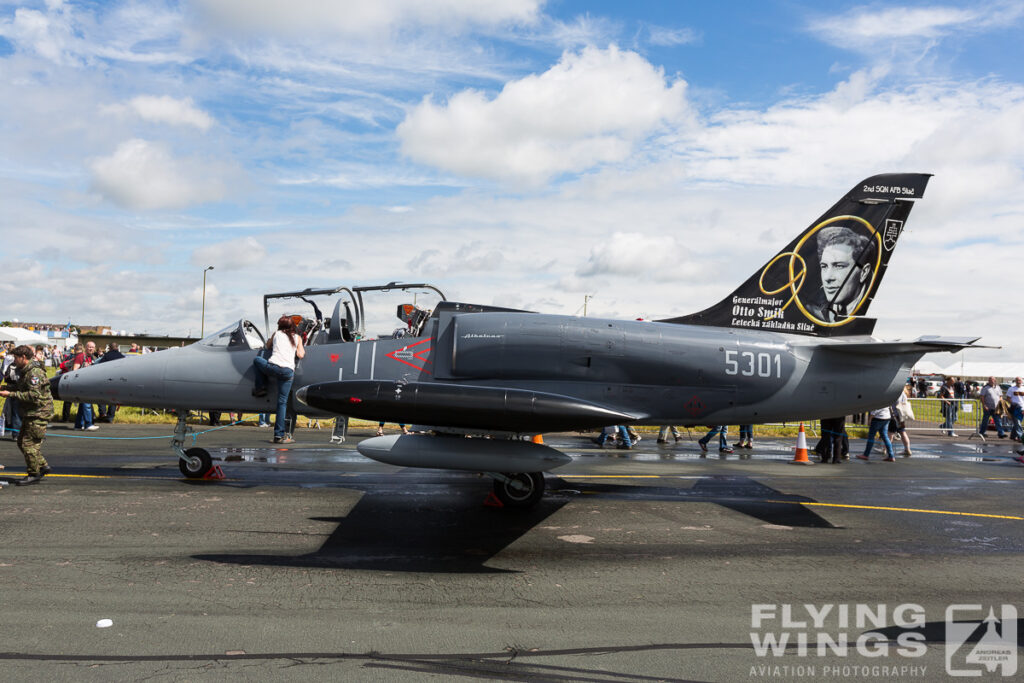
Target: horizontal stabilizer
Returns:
[[928, 344], [458, 405]]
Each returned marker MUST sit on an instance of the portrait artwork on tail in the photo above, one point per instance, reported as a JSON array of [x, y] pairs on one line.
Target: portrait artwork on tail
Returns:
[[823, 281]]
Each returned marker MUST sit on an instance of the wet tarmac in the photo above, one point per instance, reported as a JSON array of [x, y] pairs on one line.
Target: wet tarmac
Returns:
[[311, 562]]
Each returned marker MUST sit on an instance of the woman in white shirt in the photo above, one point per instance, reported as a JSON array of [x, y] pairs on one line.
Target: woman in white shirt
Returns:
[[903, 412], [879, 425], [285, 347]]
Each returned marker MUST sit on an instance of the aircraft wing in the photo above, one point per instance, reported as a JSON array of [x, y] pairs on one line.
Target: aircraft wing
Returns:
[[926, 344]]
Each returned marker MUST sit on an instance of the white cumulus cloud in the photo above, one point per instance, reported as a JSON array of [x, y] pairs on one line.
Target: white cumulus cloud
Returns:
[[668, 37], [166, 109], [49, 35], [232, 254], [860, 128], [357, 18], [632, 253], [20, 274], [144, 175], [476, 256], [863, 28], [893, 22], [588, 109]]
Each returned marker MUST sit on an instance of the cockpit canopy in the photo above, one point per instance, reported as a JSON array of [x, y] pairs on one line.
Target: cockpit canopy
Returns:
[[240, 335], [347, 322]]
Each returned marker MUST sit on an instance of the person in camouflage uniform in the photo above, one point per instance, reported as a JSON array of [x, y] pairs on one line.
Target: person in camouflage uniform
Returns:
[[36, 405]]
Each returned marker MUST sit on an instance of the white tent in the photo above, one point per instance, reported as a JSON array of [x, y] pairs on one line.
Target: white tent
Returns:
[[973, 369], [19, 335], [927, 367]]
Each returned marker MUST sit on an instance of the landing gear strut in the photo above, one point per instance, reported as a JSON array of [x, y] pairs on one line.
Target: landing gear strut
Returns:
[[194, 463], [518, 489]]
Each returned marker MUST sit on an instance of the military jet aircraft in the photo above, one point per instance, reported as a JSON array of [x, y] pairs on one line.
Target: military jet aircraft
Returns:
[[791, 343]]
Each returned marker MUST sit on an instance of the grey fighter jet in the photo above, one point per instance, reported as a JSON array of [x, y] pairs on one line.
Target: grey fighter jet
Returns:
[[791, 343]]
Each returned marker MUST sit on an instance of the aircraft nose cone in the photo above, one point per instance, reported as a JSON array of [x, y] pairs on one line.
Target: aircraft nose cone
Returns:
[[54, 383]]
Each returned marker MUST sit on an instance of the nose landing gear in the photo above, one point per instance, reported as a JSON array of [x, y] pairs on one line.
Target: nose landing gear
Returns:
[[194, 463]]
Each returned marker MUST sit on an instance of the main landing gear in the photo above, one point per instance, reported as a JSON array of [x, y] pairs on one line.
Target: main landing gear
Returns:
[[518, 489], [194, 463]]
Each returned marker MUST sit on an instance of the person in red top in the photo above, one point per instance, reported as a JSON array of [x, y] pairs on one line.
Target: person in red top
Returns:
[[84, 359]]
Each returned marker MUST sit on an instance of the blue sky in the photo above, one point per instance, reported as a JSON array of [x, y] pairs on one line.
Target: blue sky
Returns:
[[514, 152]]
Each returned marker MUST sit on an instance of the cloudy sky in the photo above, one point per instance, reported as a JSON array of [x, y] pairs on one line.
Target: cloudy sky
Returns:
[[513, 152]]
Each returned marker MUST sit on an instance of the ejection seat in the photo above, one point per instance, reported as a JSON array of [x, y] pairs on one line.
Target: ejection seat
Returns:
[[414, 318], [341, 327]]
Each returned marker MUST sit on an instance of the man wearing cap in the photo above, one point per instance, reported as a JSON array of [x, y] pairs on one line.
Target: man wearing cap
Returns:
[[36, 405]]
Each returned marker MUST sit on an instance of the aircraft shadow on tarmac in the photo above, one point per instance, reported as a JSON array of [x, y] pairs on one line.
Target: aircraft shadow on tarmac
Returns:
[[447, 530], [935, 632]]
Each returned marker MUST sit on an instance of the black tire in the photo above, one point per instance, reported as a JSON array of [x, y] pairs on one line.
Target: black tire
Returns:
[[527, 496], [189, 467]]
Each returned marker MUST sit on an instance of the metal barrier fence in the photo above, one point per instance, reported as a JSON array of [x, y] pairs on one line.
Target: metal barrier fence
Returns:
[[936, 414], [811, 427], [929, 415]]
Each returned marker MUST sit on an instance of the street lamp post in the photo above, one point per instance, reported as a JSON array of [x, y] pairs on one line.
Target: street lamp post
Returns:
[[202, 320]]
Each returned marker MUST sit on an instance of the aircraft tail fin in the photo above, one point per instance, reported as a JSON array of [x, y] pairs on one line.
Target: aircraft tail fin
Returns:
[[823, 282]]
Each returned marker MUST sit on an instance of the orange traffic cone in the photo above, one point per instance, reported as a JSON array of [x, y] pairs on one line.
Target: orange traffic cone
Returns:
[[537, 438], [801, 449]]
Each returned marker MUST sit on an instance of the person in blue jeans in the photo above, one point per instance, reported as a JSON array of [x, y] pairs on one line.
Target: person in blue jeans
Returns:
[[746, 437], [380, 428], [83, 420], [625, 443], [949, 406], [1015, 394], [723, 439], [991, 399], [11, 413], [11, 418], [84, 357], [879, 425], [285, 347]]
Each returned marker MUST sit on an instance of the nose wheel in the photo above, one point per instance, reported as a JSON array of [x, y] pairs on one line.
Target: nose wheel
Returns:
[[519, 489], [195, 463]]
